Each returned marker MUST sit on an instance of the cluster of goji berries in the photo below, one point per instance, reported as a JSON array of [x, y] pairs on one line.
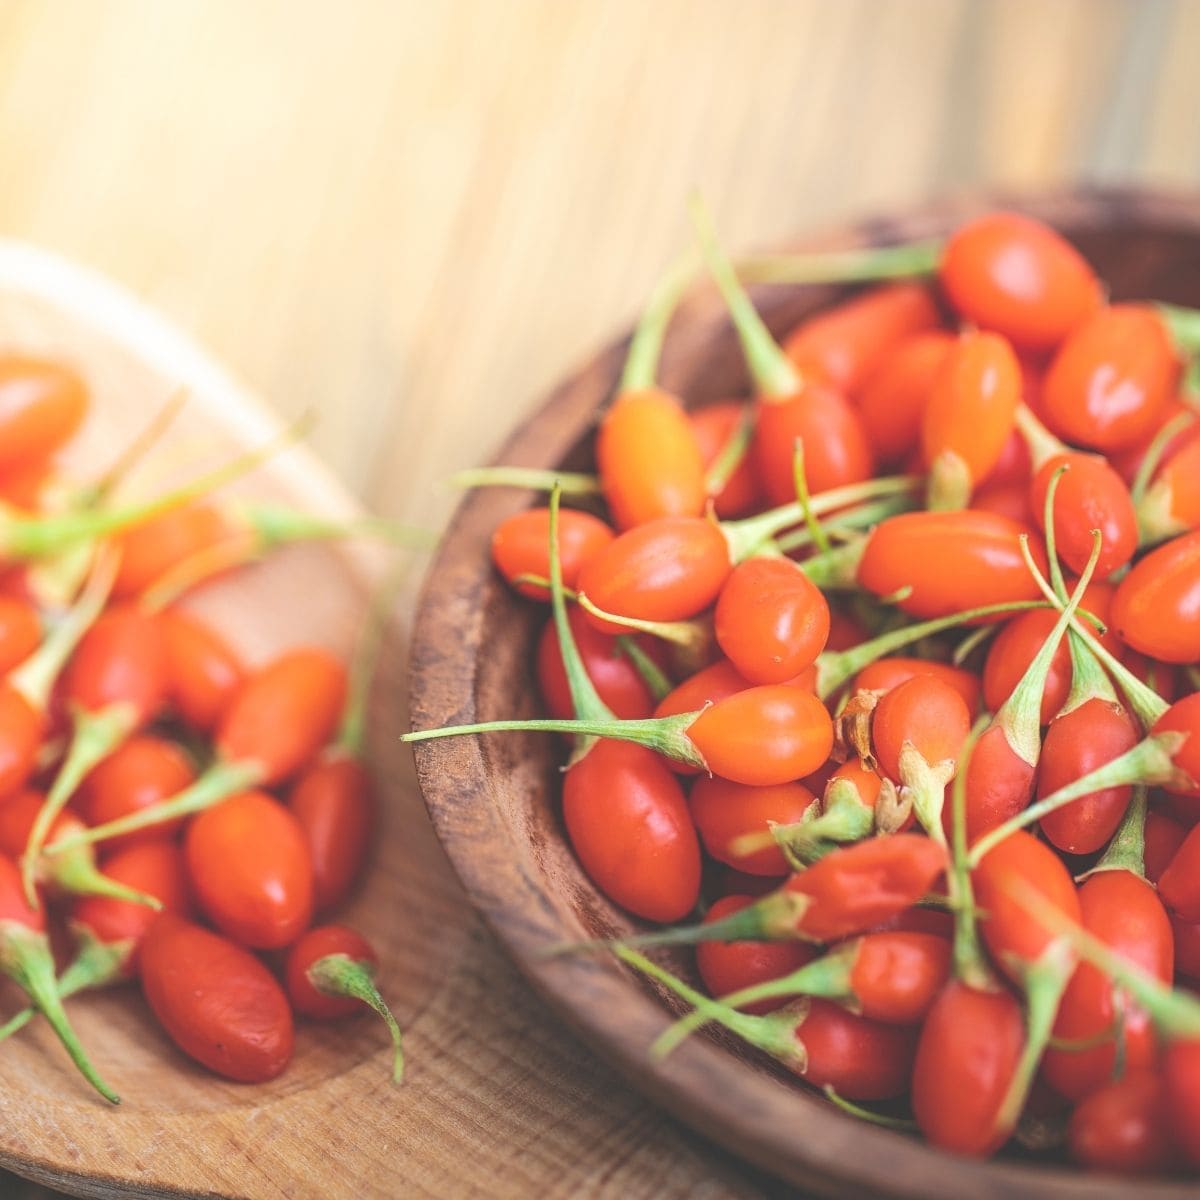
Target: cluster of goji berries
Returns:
[[890, 673], [168, 813]]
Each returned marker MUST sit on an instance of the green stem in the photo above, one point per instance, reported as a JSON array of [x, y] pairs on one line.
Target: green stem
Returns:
[[695, 635], [837, 569], [1183, 324], [750, 535], [341, 975], [26, 959], [835, 667], [645, 347], [774, 1034], [771, 369], [1147, 705], [950, 483], [1176, 1013], [865, 1114], [36, 676], [35, 537], [844, 266], [865, 516], [1127, 850], [667, 735], [971, 643], [1154, 453], [731, 455], [94, 736], [1089, 680], [585, 700], [970, 965], [819, 537], [1020, 716], [573, 483], [1056, 575], [650, 672], [1042, 443], [1151, 761], [1044, 981], [96, 963], [218, 783], [827, 977]]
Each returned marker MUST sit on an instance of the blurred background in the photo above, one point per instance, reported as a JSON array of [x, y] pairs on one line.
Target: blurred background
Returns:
[[414, 217]]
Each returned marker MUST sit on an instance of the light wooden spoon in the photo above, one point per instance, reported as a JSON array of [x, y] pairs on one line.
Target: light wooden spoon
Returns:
[[324, 1128]]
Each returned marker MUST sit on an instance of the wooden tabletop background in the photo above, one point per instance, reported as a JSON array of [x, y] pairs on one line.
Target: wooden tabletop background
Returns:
[[413, 217]]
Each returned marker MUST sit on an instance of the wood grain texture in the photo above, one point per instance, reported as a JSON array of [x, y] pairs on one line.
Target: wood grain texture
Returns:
[[415, 217]]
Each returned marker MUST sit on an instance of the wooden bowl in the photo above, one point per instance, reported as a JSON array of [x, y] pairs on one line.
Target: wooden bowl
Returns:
[[324, 1127], [493, 799]]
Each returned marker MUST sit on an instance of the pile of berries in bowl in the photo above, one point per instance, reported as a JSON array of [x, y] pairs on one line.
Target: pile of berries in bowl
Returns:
[[881, 691]]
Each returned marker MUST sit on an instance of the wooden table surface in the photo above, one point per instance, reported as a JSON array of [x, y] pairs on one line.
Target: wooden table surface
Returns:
[[413, 217]]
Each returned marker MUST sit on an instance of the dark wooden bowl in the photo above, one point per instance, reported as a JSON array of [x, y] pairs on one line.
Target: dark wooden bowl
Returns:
[[493, 800]]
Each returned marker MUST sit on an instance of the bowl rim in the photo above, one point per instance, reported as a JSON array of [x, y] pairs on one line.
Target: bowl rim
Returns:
[[599, 999]]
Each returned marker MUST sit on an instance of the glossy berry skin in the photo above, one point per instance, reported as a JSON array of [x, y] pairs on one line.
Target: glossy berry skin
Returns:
[[771, 621], [1179, 884], [898, 975], [649, 460], [1076, 743], [973, 405], [1090, 495], [120, 660], [41, 405], [764, 735], [203, 670], [1011, 652], [857, 887], [665, 570], [967, 1056], [316, 944], [152, 548], [1184, 717], [1157, 606], [1123, 1127], [284, 713], [1163, 837], [1125, 914], [1012, 274], [913, 550], [1011, 935], [156, 868], [1181, 1074], [218, 1003], [725, 811], [334, 805], [859, 1058], [836, 448], [250, 870], [925, 713], [887, 673], [842, 346], [1111, 379], [893, 399], [708, 686], [612, 672], [629, 825], [139, 773], [727, 967], [521, 546]]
